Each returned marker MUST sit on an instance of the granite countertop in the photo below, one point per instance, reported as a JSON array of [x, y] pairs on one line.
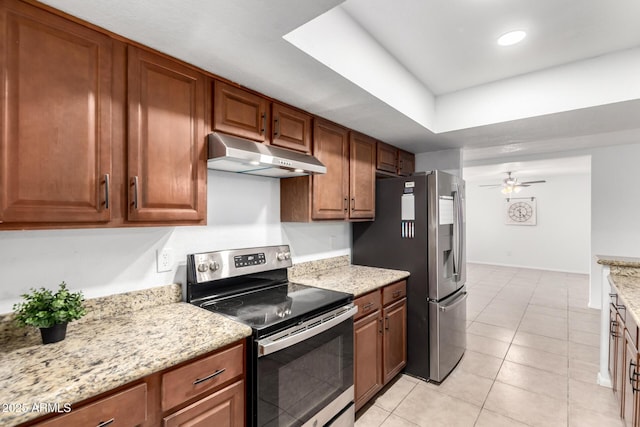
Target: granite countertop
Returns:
[[105, 352], [629, 291], [618, 261], [355, 279]]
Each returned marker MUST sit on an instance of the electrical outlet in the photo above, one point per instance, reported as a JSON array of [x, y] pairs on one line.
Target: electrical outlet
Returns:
[[164, 259]]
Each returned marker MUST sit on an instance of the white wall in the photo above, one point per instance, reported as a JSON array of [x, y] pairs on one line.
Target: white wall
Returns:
[[243, 211], [559, 241], [615, 230], [449, 161]]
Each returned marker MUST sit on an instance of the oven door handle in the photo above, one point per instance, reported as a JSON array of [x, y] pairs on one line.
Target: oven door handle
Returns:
[[267, 346]]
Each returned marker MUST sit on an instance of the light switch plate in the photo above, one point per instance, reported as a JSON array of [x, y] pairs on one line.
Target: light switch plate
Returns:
[[164, 259]]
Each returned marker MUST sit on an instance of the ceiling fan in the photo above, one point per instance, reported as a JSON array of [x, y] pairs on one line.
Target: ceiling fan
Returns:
[[512, 185]]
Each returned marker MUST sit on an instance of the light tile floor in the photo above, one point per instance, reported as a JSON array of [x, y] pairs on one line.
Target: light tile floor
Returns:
[[531, 360]]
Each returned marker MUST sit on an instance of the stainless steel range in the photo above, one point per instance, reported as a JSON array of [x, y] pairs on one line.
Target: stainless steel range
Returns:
[[300, 361]]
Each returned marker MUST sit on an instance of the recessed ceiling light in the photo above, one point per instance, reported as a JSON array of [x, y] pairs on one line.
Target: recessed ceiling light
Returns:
[[512, 37]]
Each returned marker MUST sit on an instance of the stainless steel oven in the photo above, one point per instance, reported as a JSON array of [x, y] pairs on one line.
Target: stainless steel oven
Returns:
[[300, 361], [304, 374]]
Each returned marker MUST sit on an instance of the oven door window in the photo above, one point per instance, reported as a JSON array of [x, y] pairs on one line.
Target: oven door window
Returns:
[[298, 381]]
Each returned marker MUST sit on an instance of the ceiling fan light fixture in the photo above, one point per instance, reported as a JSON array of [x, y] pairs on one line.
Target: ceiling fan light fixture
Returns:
[[517, 189], [511, 38], [506, 190]]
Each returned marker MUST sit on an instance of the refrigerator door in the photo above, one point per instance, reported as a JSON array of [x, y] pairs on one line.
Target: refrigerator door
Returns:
[[446, 230], [447, 334]]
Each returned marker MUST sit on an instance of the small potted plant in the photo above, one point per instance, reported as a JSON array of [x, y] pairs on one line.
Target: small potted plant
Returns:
[[50, 311]]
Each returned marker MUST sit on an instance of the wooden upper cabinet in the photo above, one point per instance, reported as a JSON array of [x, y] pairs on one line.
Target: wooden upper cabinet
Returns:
[[239, 112], [362, 176], [330, 192], [55, 116], [387, 157], [167, 152], [291, 128], [406, 163]]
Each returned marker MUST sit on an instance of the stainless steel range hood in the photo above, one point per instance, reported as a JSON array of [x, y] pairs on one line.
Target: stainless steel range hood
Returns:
[[233, 154]]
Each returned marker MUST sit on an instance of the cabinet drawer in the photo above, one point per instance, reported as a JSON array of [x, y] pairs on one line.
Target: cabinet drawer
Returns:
[[224, 408], [198, 377], [394, 292], [127, 408], [367, 304]]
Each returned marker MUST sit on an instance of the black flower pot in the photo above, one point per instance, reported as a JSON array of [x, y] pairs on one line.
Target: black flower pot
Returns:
[[53, 334]]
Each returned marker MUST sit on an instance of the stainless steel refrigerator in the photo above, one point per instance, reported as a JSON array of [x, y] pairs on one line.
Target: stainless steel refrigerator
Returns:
[[420, 227]]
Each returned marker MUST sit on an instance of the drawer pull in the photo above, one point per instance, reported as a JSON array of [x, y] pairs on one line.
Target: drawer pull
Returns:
[[215, 374], [106, 423], [396, 294], [367, 306]]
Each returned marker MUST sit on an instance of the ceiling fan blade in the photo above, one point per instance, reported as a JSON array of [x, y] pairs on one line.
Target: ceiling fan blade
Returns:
[[533, 182], [522, 185], [490, 185]]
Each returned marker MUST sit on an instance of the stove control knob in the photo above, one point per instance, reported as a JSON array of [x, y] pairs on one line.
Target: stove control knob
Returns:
[[214, 266], [283, 256], [202, 267]]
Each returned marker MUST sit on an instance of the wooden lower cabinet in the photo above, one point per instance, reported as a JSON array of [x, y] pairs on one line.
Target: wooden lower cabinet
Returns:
[[394, 347], [126, 408], [630, 383], [367, 357], [224, 408], [380, 340]]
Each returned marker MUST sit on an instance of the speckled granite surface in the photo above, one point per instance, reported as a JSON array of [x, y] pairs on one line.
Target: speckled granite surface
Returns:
[[310, 267], [355, 279], [629, 291], [618, 261], [109, 349]]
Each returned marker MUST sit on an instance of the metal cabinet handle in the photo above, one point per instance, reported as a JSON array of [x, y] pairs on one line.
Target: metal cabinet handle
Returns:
[[367, 307], [633, 376], [353, 203], [386, 323], [277, 126], [106, 191], [612, 326], [380, 322], [209, 377], [106, 423], [396, 294], [346, 204], [135, 192], [621, 307], [264, 123]]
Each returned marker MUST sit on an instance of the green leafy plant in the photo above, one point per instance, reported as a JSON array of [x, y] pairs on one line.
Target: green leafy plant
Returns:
[[42, 308]]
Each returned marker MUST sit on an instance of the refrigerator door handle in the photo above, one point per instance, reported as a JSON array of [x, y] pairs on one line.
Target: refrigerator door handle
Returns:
[[456, 233], [459, 299]]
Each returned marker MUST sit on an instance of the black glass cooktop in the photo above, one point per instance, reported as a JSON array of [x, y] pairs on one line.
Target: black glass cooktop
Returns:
[[276, 307]]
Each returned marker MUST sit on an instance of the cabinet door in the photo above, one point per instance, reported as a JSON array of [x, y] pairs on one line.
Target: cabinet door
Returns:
[[241, 113], [225, 408], [387, 157], [330, 191], [406, 163], [613, 333], [291, 128], [362, 176], [55, 116], [368, 357], [167, 159], [395, 339], [620, 352], [631, 384]]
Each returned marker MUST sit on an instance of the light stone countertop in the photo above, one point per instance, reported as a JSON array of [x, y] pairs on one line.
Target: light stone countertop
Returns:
[[629, 291], [355, 279], [106, 352], [618, 261]]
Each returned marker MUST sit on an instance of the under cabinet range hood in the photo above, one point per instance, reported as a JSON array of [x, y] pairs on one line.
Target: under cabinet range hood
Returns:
[[233, 154]]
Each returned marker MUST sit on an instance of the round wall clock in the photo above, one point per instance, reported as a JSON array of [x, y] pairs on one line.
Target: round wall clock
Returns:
[[521, 212]]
